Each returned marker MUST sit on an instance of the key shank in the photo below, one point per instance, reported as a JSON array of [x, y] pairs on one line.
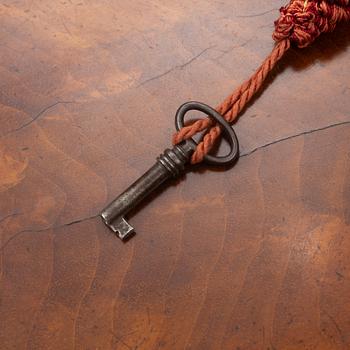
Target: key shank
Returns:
[[169, 164]]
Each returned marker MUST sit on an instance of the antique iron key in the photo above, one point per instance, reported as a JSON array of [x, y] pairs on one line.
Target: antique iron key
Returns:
[[170, 164]]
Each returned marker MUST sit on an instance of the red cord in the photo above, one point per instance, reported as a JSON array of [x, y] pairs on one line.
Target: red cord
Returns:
[[300, 23]]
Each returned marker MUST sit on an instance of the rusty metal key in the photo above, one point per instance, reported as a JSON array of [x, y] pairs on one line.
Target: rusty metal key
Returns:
[[170, 164]]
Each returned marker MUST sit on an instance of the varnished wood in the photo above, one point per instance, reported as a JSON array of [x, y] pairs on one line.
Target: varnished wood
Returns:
[[255, 257]]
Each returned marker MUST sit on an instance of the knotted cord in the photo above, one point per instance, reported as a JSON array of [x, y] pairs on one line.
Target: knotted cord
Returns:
[[300, 23]]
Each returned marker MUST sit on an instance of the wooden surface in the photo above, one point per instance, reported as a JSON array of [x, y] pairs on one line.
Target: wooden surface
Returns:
[[256, 257]]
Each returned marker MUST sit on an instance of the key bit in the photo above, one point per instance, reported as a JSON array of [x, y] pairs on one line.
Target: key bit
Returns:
[[170, 164]]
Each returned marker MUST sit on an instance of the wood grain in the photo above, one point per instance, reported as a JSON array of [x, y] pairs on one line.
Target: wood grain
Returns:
[[255, 257]]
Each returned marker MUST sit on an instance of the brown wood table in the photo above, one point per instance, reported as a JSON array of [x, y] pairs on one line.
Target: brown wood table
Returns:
[[255, 257]]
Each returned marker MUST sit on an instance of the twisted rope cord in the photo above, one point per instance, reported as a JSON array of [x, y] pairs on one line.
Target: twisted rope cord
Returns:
[[300, 23]]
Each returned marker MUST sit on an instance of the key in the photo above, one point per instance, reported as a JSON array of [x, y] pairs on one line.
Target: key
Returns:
[[170, 164]]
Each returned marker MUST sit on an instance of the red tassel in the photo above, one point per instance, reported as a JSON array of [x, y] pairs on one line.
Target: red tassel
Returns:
[[302, 21]]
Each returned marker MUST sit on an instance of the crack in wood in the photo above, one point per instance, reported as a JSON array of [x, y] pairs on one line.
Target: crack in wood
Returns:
[[77, 221], [32, 120], [181, 66]]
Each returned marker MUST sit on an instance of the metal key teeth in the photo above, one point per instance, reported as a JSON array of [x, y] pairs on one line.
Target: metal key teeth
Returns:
[[121, 227]]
